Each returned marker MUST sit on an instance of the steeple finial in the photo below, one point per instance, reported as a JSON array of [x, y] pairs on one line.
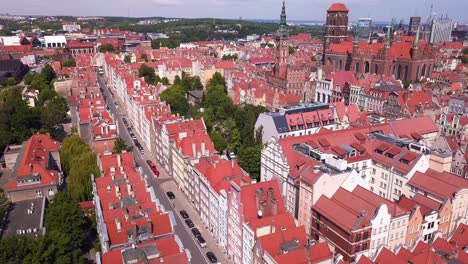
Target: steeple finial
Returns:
[[416, 40]]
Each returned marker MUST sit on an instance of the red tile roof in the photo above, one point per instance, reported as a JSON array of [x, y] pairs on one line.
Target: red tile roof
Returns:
[[338, 7], [443, 185], [35, 160]]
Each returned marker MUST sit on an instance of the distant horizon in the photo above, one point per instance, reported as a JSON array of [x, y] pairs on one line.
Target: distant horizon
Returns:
[[314, 10], [259, 20]]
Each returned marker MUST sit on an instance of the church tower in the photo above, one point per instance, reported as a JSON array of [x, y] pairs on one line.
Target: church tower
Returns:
[[283, 45]]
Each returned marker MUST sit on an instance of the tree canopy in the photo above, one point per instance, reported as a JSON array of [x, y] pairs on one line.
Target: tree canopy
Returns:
[[63, 242], [177, 98], [78, 163], [106, 48], [147, 73], [120, 146], [18, 120], [69, 63]]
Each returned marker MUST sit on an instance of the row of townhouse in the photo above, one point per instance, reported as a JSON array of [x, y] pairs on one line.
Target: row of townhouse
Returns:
[[439, 251], [132, 225], [316, 171], [130, 219], [236, 212]]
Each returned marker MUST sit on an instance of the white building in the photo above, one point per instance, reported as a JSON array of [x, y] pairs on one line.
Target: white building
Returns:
[[441, 30], [54, 41]]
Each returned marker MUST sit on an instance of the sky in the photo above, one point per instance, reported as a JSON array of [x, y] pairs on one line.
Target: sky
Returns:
[[378, 10]]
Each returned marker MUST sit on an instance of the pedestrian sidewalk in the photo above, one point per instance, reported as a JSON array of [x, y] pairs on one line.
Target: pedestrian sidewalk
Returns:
[[181, 203]]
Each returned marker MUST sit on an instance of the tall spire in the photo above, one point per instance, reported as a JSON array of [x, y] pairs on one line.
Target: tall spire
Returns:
[[283, 14], [416, 40], [388, 41], [283, 30]]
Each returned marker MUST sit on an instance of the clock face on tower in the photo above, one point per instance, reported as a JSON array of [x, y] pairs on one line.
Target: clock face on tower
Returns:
[[285, 43]]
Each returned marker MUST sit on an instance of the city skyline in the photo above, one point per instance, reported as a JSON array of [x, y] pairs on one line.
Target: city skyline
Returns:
[[378, 10]]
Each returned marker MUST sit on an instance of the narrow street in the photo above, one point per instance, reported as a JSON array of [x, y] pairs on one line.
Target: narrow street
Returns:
[[163, 184]]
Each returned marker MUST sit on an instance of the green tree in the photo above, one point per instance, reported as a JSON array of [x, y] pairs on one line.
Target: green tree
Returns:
[[45, 95], [69, 63], [465, 51], [4, 205], [15, 249], [78, 162], [217, 79], [176, 97], [54, 112], [165, 81], [148, 74], [48, 73], [144, 57], [292, 50], [28, 78], [196, 84], [40, 82], [177, 80], [235, 140], [106, 48], [249, 160], [120, 146], [127, 59], [219, 141]]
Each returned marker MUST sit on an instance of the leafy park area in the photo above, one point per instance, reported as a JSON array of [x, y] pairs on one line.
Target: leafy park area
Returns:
[[18, 120]]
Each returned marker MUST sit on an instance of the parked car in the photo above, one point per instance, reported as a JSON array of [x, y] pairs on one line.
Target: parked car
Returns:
[[153, 167], [171, 195], [211, 257], [201, 241], [196, 232], [189, 223], [184, 214]]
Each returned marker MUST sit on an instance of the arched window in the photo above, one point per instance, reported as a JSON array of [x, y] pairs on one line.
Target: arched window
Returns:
[[341, 65], [423, 72], [398, 71], [376, 69], [366, 67], [330, 61], [357, 67], [406, 73], [429, 70], [417, 73]]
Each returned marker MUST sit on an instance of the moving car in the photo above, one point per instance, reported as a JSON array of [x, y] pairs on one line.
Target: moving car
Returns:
[[171, 195], [189, 223], [184, 214], [211, 257]]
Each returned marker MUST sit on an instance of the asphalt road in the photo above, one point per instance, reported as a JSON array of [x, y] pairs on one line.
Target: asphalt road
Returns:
[[198, 254]]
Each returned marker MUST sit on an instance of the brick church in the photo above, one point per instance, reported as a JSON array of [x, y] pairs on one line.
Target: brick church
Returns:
[[286, 77], [406, 58]]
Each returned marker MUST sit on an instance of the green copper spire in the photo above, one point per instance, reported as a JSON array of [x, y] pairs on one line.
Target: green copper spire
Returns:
[[416, 40], [388, 42]]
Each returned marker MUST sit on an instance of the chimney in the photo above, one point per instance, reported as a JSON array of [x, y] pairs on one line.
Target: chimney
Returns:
[[203, 148], [118, 224], [119, 162], [134, 231], [149, 226], [194, 149], [273, 207], [232, 163]]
